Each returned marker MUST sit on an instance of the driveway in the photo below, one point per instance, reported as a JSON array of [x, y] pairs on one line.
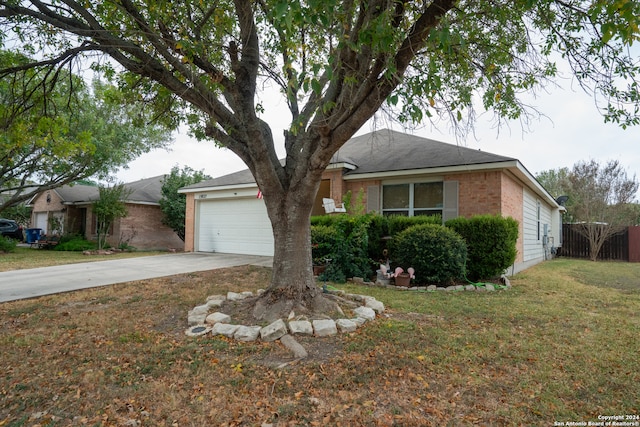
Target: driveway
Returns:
[[21, 284]]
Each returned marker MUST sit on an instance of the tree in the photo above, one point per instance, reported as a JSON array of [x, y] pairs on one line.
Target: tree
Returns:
[[58, 132], [172, 203], [602, 199], [554, 181], [336, 63], [109, 207]]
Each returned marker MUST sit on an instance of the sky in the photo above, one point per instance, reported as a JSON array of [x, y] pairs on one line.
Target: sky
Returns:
[[573, 131]]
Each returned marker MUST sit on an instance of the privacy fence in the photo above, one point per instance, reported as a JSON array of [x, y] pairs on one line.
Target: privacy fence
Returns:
[[623, 246]]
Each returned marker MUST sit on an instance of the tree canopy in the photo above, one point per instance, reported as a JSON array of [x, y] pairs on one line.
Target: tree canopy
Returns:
[[172, 203], [336, 63], [57, 133], [601, 198]]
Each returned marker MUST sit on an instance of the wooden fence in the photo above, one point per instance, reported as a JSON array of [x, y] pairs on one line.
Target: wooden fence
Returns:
[[623, 246]]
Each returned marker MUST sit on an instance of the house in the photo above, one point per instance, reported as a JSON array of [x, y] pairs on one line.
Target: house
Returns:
[[68, 210], [396, 174]]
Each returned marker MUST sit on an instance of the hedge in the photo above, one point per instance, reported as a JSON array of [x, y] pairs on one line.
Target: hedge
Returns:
[[491, 244]]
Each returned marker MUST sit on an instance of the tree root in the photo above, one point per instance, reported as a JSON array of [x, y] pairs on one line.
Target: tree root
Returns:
[[269, 307]]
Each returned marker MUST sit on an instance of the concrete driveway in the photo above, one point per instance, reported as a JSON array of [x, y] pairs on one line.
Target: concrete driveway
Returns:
[[21, 284]]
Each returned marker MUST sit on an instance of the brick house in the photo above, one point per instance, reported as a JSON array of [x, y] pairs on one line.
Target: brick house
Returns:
[[390, 173], [68, 210]]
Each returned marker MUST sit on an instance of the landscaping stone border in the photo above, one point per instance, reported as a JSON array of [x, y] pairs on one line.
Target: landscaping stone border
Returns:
[[475, 287], [202, 319]]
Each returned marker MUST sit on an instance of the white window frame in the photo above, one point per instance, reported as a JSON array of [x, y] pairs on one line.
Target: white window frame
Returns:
[[411, 210]]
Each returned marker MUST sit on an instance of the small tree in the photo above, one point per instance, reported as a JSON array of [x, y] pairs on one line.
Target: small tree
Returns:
[[172, 203], [602, 204], [554, 181], [109, 207]]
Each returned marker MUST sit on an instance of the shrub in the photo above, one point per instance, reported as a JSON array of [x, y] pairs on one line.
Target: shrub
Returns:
[[323, 239], [345, 242], [74, 243], [399, 223], [438, 254], [388, 226], [7, 244], [491, 242]]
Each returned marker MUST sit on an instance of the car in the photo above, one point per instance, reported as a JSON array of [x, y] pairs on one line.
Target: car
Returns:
[[10, 228]]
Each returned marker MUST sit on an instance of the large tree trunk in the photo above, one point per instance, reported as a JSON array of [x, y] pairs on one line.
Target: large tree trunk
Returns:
[[293, 286]]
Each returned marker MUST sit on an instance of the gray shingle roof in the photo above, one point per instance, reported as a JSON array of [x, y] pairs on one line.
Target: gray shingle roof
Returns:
[[385, 151], [147, 190], [77, 193]]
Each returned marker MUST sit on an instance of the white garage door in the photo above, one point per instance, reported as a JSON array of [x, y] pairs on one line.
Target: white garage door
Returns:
[[236, 226]]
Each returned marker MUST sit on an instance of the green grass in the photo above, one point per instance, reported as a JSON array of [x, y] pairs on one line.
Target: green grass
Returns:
[[32, 258]]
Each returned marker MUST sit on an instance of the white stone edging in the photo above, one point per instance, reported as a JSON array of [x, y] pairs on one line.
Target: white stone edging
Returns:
[[202, 321]]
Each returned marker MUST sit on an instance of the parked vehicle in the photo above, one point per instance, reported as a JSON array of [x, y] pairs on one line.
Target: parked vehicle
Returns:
[[10, 228]]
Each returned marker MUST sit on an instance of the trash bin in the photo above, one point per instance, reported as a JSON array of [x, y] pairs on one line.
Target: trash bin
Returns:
[[33, 235]]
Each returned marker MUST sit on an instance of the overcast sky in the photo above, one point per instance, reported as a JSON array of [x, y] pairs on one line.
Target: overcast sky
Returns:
[[574, 131]]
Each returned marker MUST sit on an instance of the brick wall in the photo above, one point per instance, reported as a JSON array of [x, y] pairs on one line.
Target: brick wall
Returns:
[[143, 228], [336, 184], [355, 186], [190, 223], [513, 206], [478, 193]]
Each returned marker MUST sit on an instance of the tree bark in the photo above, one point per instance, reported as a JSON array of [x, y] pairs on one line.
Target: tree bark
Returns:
[[293, 286]]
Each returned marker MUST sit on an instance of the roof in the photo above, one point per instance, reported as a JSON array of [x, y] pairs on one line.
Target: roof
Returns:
[[383, 151], [147, 190], [77, 193], [144, 191], [387, 151]]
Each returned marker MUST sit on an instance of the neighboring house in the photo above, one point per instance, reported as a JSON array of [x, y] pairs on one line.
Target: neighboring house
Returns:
[[68, 210], [397, 174]]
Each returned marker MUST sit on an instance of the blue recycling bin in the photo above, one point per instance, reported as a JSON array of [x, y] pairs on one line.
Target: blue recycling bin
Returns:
[[33, 235]]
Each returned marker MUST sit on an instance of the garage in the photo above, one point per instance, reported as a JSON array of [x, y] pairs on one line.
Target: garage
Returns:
[[237, 226]]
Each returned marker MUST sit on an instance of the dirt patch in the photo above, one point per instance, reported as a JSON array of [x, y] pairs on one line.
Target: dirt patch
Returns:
[[320, 351]]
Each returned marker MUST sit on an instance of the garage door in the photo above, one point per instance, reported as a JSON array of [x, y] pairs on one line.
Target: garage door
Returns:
[[236, 226]]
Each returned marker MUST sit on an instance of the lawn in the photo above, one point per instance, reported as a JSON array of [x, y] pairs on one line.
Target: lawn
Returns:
[[560, 346], [25, 257]]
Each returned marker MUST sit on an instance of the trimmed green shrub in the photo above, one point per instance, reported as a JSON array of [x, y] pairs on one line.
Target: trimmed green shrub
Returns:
[[323, 239], [491, 242], [7, 244], [74, 243], [399, 223], [437, 253], [345, 242], [388, 226]]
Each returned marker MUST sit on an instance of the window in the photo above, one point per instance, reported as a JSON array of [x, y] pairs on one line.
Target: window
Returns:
[[414, 199]]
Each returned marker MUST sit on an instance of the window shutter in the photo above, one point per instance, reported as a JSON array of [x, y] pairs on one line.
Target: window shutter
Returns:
[[373, 198], [450, 210]]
